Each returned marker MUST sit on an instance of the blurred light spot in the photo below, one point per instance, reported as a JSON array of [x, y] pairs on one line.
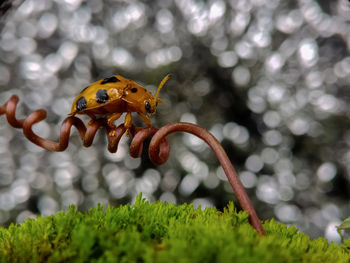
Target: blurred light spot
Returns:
[[135, 11], [299, 126], [98, 197], [122, 58], [68, 51], [31, 67], [188, 185], [283, 165], [170, 181], [40, 181], [287, 213], [24, 215], [25, 9], [53, 63], [119, 182], [202, 203], [211, 181], [20, 191], [244, 50], [63, 178], [285, 193], [289, 23], [236, 133], [272, 137], [189, 161], [7, 201], [217, 131], [254, 163], [217, 10], [149, 182], [101, 51], [330, 211], [329, 76], [261, 39], [198, 25], [4, 216], [202, 87], [47, 25], [269, 156], [331, 232], [120, 154], [88, 158], [163, 57], [239, 23], [26, 46], [256, 103], [308, 52], [219, 45], [274, 62], [61, 106], [71, 197], [227, 59], [120, 20], [326, 172], [302, 181], [249, 179], [168, 197], [328, 103], [164, 19], [314, 79], [4, 75], [194, 142], [272, 119], [275, 93], [27, 28], [267, 190], [286, 177], [42, 129], [47, 205], [188, 117], [89, 183], [220, 173], [241, 75], [132, 163]]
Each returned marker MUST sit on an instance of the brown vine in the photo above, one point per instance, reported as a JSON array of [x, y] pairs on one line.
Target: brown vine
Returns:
[[158, 151]]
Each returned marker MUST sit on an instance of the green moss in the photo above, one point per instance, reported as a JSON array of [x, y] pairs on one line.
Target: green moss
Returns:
[[159, 232]]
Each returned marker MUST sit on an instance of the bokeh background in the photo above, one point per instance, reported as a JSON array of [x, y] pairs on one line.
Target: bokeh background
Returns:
[[269, 78]]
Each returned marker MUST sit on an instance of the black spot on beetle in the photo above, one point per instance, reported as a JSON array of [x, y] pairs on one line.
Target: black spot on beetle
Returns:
[[134, 90], [110, 80], [81, 104], [101, 96]]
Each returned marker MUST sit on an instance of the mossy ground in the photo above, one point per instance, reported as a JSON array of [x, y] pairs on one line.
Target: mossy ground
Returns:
[[159, 232]]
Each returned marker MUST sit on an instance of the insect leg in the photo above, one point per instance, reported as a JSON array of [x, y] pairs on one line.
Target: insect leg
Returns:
[[113, 118], [92, 116], [110, 121], [128, 123], [145, 118], [128, 120]]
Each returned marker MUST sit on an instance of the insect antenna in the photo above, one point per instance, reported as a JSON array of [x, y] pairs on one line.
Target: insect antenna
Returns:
[[161, 84]]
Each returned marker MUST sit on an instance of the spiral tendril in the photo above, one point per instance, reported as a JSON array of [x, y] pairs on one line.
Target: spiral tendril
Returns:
[[158, 150]]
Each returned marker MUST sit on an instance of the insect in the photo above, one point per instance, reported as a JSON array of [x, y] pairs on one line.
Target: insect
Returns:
[[111, 97]]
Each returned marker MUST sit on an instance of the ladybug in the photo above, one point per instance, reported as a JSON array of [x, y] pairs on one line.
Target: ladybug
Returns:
[[111, 97]]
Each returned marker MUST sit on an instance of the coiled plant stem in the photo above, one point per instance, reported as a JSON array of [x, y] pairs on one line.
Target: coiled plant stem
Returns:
[[158, 151]]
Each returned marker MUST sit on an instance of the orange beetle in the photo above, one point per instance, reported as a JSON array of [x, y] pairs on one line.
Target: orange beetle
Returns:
[[113, 96]]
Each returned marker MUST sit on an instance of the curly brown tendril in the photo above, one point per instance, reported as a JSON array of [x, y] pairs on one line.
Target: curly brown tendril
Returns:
[[158, 150]]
